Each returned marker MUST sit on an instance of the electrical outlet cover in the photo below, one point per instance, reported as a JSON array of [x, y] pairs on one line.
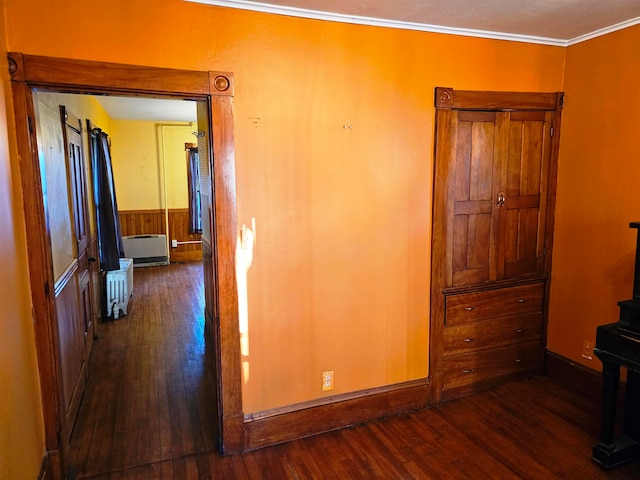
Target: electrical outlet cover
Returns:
[[327, 381]]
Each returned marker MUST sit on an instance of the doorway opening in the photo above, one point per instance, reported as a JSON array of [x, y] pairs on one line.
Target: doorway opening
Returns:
[[212, 92], [139, 373]]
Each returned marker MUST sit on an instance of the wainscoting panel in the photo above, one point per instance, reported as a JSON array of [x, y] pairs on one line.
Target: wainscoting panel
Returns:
[[147, 222], [71, 336]]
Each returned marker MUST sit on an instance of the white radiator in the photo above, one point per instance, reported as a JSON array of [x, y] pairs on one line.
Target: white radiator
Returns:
[[119, 288], [146, 250]]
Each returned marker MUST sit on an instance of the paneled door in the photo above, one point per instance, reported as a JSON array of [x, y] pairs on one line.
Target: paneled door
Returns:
[[57, 181]]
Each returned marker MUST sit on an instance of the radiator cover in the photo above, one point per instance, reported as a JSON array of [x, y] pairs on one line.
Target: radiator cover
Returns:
[[146, 250]]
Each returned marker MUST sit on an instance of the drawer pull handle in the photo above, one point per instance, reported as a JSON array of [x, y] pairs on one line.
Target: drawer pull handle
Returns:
[[518, 360], [467, 370], [468, 309], [522, 300], [468, 340], [520, 330]]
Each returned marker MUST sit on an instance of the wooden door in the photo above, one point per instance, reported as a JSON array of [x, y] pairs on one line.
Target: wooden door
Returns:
[[492, 210], [74, 153], [58, 206], [474, 181], [524, 183]]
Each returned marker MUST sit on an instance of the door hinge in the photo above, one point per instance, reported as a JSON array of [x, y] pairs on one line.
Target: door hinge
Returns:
[[552, 131], [30, 124], [46, 288]]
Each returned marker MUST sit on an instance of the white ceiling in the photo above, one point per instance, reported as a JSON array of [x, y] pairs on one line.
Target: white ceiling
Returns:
[[555, 22], [151, 109]]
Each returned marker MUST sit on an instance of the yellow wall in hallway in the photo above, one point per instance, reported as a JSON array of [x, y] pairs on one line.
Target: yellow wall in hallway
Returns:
[[137, 149], [334, 141]]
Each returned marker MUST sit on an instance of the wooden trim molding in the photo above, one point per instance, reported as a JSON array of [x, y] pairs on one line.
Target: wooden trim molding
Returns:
[[469, 100], [67, 275], [223, 193], [80, 74], [280, 425], [41, 278], [586, 382]]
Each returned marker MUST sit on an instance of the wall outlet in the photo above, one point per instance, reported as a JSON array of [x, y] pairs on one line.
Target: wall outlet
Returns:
[[174, 243], [327, 380], [587, 349]]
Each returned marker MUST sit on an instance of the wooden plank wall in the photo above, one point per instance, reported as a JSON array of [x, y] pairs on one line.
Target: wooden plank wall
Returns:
[[147, 222]]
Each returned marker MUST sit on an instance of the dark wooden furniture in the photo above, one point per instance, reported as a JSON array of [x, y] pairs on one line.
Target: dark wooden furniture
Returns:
[[615, 349], [494, 198], [618, 345]]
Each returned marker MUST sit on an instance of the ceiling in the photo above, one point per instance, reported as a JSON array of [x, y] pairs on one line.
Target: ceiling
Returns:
[[151, 109], [555, 22]]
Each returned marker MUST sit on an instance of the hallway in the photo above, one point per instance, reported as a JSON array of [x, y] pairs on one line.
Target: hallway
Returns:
[[148, 414], [148, 398]]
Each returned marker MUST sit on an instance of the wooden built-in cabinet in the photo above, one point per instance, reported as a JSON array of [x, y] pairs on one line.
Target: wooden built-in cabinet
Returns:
[[494, 196]]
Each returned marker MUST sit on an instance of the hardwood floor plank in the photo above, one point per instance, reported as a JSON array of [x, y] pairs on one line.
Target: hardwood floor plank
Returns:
[[496, 435], [149, 413]]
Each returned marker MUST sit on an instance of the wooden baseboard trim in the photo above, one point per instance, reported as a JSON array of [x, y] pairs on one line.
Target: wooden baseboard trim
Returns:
[[188, 256], [280, 425], [584, 381]]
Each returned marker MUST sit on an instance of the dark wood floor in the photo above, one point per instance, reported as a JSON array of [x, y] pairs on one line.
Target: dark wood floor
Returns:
[[146, 415]]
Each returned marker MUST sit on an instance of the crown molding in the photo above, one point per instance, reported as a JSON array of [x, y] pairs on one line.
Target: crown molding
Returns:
[[422, 27], [375, 22], [604, 31]]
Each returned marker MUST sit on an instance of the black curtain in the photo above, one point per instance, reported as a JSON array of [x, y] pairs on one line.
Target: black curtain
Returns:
[[195, 219], [109, 233]]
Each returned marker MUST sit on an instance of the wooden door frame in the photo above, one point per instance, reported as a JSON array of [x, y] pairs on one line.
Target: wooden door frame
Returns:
[[30, 72], [446, 101]]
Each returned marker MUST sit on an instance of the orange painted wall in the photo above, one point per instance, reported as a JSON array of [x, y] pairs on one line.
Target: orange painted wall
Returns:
[[340, 272], [598, 192], [21, 423]]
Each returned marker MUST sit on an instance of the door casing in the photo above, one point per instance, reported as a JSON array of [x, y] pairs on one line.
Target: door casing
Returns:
[[28, 73]]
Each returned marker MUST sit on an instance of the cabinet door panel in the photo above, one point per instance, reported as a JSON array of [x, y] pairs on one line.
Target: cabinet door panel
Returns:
[[527, 170], [473, 223]]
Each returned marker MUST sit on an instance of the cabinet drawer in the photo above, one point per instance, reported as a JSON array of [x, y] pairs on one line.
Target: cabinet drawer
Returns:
[[491, 332], [473, 367], [469, 307]]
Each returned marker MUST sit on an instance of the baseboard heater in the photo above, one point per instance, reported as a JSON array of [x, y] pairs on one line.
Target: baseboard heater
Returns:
[[146, 250]]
